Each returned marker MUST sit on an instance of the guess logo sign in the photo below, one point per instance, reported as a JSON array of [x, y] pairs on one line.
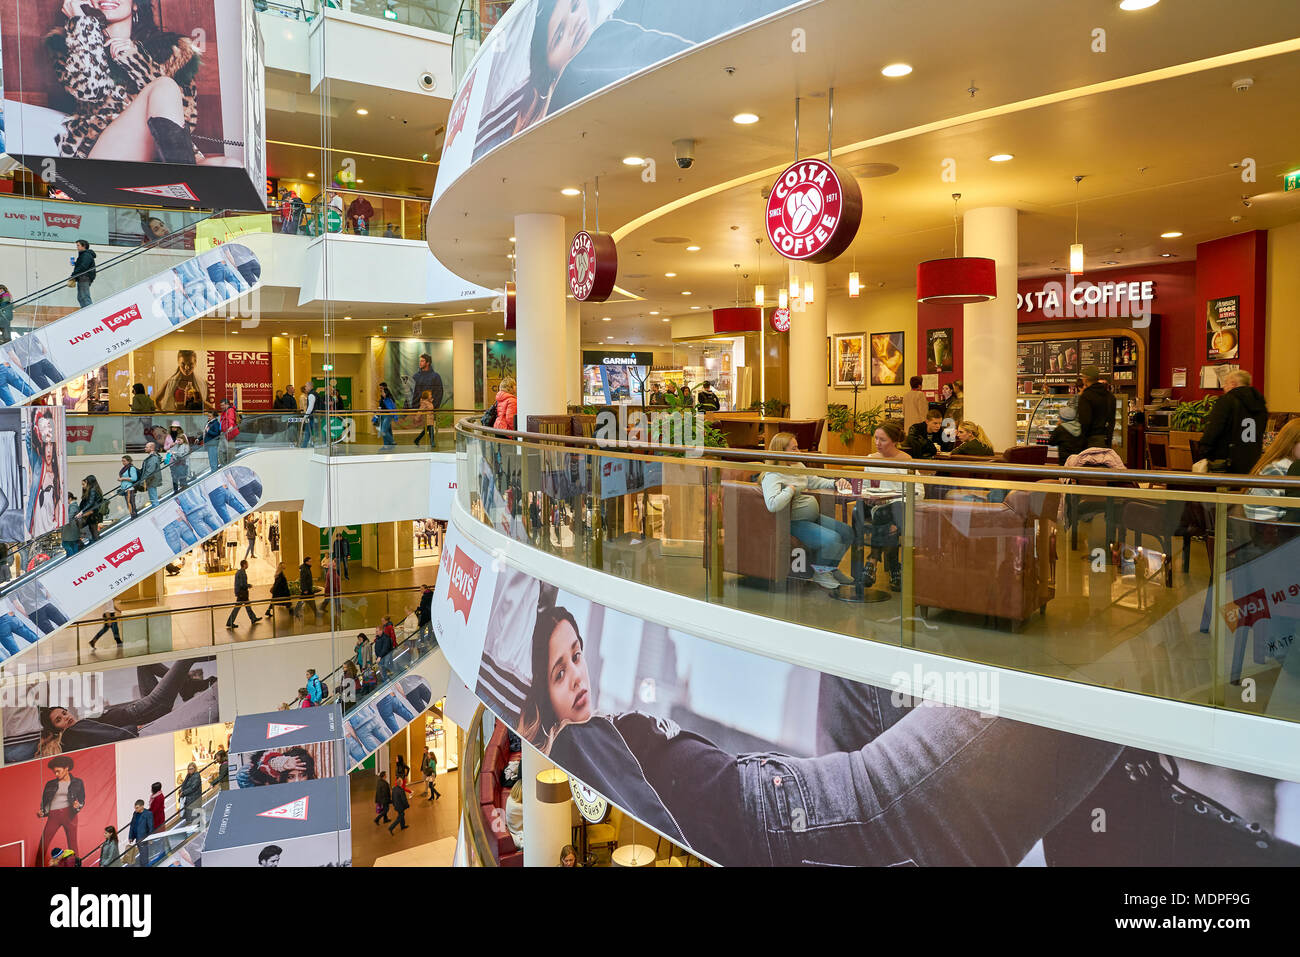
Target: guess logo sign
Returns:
[[781, 320], [593, 266], [1247, 610], [463, 583], [126, 553], [123, 317], [63, 220], [80, 433], [813, 211]]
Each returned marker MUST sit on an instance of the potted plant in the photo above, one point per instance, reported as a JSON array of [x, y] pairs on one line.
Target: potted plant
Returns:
[[850, 433], [1185, 427]]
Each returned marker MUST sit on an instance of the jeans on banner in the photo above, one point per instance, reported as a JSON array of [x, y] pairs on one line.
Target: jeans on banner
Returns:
[[369, 730], [43, 373], [179, 537], [8, 377], [225, 503], [390, 709]]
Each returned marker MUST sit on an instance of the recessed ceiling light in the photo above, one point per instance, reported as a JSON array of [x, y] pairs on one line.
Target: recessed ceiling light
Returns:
[[512, 239], [686, 292], [897, 69], [311, 175], [284, 333], [467, 311], [1001, 157], [1110, 262], [360, 181], [745, 119], [692, 249], [1167, 255], [570, 191], [346, 318], [665, 319], [633, 161], [670, 275], [362, 111], [1137, 4], [1172, 234], [606, 319], [510, 255], [609, 337], [654, 312], [234, 332], [695, 307]]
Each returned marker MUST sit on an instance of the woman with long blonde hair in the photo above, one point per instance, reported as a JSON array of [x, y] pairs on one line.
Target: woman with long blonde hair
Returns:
[[972, 440], [826, 538], [1279, 460]]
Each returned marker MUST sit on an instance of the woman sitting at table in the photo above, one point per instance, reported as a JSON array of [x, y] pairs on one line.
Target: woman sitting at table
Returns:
[[1280, 459], [885, 519], [972, 440], [827, 537]]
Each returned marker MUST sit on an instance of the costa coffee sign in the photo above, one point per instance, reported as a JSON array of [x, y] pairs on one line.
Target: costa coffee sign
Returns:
[[593, 266], [813, 211], [781, 320], [464, 573]]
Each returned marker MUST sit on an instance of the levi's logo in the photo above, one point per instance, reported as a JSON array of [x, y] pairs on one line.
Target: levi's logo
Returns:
[[64, 220], [292, 811], [123, 317], [126, 553], [456, 123], [80, 433], [463, 583], [1247, 610]]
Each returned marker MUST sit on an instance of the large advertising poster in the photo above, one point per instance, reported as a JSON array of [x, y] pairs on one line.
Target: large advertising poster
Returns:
[[61, 222], [544, 56], [752, 761], [151, 100], [49, 715], [384, 715], [1222, 338], [62, 803], [286, 748], [408, 378], [33, 472], [299, 824], [39, 361], [201, 378]]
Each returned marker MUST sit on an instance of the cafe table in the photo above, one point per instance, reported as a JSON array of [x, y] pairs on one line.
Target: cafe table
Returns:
[[862, 495]]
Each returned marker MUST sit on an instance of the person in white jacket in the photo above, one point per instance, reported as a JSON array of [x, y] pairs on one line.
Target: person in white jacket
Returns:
[[827, 538]]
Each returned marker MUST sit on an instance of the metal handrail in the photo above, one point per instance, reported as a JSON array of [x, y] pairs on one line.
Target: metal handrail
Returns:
[[168, 823], [471, 761]]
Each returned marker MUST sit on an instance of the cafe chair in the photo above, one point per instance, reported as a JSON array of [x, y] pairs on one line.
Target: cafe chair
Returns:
[[1157, 452], [1026, 455], [605, 834], [1157, 520]]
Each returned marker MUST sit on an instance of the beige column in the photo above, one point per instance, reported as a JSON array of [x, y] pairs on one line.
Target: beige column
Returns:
[[808, 347], [573, 352], [548, 814], [462, 364], [541, 310], [989, 328]]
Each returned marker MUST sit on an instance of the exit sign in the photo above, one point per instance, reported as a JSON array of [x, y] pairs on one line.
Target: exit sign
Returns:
[[1291, 181], [327, 368]]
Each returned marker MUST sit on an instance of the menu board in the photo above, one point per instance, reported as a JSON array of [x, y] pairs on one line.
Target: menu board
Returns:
[[1031, 358], [1063, 356], [1096, 352]]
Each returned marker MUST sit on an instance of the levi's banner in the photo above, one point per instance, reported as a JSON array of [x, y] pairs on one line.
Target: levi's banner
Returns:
[[39, 361], [752, 761]]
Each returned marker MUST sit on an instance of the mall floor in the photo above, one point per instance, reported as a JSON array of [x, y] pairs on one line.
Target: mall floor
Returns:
[[430, 837]]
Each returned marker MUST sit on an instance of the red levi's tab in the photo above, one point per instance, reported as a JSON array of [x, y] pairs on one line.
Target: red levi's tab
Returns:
[[123, 317], [1247, 610], [126, 553], [464, 573]]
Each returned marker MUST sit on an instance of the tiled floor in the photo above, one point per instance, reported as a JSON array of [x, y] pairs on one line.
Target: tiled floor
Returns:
[[428, 822]]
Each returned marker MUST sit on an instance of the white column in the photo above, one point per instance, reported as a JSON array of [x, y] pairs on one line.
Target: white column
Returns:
[[573, 352], [548, 826], [808, 346], [462, 363], [989, 328], [541, 315]]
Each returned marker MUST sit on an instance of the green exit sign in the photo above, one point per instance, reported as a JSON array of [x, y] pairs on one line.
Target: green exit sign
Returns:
[[1291, 181], [327, 368]]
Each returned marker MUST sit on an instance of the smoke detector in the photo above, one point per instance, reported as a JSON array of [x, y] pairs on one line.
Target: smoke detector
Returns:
[[1243, 84]]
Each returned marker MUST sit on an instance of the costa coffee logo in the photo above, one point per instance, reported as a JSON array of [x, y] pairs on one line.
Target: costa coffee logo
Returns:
[[593, 266], [63, 220], [126, 553], [781, 320], [463, 583], [1247, 610], [813, 211], [80, 433], [123, 317], [456, 122]]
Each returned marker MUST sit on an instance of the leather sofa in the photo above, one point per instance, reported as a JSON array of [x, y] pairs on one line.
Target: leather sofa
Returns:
[[492, 796]]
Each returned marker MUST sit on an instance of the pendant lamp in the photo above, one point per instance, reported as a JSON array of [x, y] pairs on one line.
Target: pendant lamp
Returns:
[[855, 281], [959, 280], [782, 298], [1076, 248]]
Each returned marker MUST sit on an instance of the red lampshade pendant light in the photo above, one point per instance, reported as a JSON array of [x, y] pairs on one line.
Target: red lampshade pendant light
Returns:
[[959, 280]]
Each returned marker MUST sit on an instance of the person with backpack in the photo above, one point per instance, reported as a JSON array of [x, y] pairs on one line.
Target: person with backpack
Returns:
[[229, 431], [314, 687], [90, 510], [128, 478], [83, 272], [151, 472], [211, 439]]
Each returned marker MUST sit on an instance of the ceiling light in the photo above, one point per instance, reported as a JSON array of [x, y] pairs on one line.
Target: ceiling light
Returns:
[[686, 292], [512, 239], [362, 111], [1137, 4], [1076, 248], [609, 337], [760, 294], [855, 285], [606, 319], [311, 175], [633, 161], [654, 312], [783, 298], [234, 332], [745, 119], [1001, 157], [1172, 234], [570, 191], [666, 319], [670, 275], [360, 181], [467, 311], [692, 249], [1110, 262], [896, 69], [346, 318], [809, 293], [695, 307], [1166, 255]]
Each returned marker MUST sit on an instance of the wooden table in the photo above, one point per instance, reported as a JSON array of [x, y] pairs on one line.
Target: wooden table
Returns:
[[751, 430], [858, 592]]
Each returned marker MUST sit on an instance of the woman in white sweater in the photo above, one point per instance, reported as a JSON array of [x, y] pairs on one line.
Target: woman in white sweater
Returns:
[[827, 538]]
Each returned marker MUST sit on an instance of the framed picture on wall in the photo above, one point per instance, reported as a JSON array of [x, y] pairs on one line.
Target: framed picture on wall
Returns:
[[849, 354], [938, 350], [887, 358]]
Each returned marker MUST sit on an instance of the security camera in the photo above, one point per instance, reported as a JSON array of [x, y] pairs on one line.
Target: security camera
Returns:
[[685, 153], [1245, 202], [428, 82]]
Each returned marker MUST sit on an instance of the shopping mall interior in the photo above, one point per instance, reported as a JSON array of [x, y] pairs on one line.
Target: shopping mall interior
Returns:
[[486, 433]]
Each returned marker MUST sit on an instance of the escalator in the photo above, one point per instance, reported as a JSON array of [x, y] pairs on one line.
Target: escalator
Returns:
[[135, 303]]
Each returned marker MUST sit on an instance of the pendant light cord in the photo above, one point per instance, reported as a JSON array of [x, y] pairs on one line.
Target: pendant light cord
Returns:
[[1077, 181]]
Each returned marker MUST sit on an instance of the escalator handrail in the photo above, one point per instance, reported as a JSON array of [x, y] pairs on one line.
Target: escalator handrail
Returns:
[[168, 823]]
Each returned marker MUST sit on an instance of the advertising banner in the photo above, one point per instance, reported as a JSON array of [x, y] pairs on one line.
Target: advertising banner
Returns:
[[544, 56], [61, 803], [748, 760], [57, 715], [72, 100], [300, 824], [384, 715], [1222, 336], [286, 747], [407, 381], [33, 472], [938, 350], [621, 476], [39, 361], [442, 488]]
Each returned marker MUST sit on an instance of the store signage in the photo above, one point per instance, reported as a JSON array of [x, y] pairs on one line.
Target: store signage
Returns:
[[813, 211], [1087, 300], [590, 805], [463, 576], [274, 730], [597, 358], [290, 811], [593, 266], [781, 320]]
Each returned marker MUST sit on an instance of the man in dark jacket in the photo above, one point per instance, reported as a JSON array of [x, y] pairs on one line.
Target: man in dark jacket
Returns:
[[287, 401], [306, 587], [191, 792], [921, 437], [383, 796], [426, 380], [424, 612], [401, 802], [151, 472], [707, 400], [83, 272], [141, 828], [241, 596], [1234, 432], [61, 799], [1096, 410], [383, 646]]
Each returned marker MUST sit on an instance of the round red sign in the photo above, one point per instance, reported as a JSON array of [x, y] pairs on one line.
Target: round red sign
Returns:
[[593, 266], [813, 211], [781, 320]]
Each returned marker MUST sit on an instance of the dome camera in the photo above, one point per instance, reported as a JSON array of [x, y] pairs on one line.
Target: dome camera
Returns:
[[428, 82], [684, 151]]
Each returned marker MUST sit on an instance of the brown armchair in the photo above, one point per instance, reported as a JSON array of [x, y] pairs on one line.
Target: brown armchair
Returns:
[[757, 543]]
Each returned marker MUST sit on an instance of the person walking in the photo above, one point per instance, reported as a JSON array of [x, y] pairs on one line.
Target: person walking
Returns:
[[151, 472], [229, 431], [241, 597], [273, 537], [83, 272], [383, 797], [315, 690], [306, 587], [339, 549], [110, 623], [90, 508], [138, 832], [915, 404], [384, 422], [192, 794], [401, 801], [250, 534], [334, 586], [211, 440], [140, 402], [308, 414], [110, 852], [1233, 437], [1096, 410], [127, 478], [429, 767], [280, 592]]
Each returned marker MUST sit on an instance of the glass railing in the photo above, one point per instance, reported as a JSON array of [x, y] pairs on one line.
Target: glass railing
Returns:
[[388, 216], [187, 822], [39, 219], [1169, 584], [437, 15]]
